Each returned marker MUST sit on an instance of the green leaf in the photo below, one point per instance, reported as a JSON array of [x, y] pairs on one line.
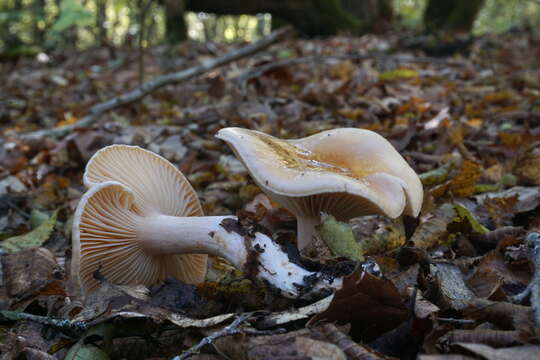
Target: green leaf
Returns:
[[71, 13], [37, 218], [398, 74], [436, 176], [34, 238], [338, 236], [87, 351], [463, 214]]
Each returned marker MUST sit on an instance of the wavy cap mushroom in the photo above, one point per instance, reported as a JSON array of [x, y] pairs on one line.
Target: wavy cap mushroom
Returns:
[[139, 223], [344, 172]]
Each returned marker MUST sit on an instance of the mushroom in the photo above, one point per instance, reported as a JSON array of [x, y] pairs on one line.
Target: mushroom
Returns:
[[344, 172], [140, 222]]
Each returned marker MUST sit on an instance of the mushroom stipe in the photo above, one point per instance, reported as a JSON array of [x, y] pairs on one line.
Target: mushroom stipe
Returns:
[[136, 225]]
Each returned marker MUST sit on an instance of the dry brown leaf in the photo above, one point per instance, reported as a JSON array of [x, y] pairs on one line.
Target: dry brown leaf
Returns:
[[512, 353], [528, 168], [502, 314], [453, 291], [433, 229], [30, 271], [287, 347], [463, 184], [367, 302]]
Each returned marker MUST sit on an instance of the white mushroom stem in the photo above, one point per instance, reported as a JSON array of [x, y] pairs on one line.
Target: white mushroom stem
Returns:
[[162, 234], [306, 230]]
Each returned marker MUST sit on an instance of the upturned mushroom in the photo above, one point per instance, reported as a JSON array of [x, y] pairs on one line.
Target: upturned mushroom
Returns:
[[344, 172], [140, 222]]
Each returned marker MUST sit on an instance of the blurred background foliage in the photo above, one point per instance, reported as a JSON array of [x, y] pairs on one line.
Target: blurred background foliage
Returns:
[[28, 27]]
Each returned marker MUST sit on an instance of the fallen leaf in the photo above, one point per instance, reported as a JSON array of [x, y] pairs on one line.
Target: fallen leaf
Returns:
[[453, 291], [34, 238], [372, 305], [29, 271], [528, 168], [338, 236], [463, 184], [512, 353], [291, 347]]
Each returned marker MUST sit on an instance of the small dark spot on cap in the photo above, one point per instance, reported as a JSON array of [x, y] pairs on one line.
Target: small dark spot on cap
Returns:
[[212, 233]]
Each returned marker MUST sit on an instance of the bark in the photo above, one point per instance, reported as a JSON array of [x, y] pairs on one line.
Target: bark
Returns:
[[101, 18], [175, 23], [375, 15], [455, 16], [39, 16], [311, 17]]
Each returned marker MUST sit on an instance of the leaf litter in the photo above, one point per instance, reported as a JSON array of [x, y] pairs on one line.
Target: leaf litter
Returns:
[[442, 285]]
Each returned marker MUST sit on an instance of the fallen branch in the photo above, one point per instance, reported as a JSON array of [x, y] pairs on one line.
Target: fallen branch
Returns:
[[160, 81], [68, 326], [533, 289]]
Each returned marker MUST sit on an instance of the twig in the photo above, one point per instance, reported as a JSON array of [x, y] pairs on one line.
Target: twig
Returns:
[[258, 71], [255, 332], [160, 81], [229, 330], [66, 325], [533, 289], [457, 321]]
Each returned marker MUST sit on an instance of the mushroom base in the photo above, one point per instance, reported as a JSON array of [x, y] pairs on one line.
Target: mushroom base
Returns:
[[161, 234]]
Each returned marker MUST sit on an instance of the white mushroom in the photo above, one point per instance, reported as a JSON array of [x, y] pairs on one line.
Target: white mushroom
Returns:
[[137, 219], [343, 172]]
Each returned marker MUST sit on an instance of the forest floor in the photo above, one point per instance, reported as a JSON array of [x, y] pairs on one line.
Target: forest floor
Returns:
[[469, 124]]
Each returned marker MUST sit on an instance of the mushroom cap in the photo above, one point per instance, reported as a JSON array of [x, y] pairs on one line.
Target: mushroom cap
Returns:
[[345, 172], [105, 239], [157, 188]]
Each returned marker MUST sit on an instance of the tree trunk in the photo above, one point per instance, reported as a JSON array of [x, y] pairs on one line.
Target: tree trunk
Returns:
[[375, 15], [101, 19], [311, 17], [454, 16], [175, 23], [38, 21]]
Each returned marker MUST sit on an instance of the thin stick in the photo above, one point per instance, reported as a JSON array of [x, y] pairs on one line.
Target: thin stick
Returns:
[[533, 289], [229, 330], [66, 325], [457, 321], [99, 109]]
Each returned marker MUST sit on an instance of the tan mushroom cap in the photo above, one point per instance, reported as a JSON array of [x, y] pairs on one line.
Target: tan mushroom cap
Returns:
[[151, 185], [345, 172]]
